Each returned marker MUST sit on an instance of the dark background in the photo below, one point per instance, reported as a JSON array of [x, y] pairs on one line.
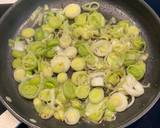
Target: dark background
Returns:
[[152, 118]]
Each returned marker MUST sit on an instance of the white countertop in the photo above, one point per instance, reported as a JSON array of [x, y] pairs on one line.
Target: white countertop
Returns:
[[7, 1], [7, 120]]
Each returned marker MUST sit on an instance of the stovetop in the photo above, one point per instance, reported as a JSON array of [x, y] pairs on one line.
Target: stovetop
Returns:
[[152, 118]]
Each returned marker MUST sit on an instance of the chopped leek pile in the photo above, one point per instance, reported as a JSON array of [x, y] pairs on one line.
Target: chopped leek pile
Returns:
[[73, 63]]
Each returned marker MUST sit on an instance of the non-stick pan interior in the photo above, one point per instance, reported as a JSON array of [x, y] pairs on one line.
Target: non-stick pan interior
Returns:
[[135, 10]]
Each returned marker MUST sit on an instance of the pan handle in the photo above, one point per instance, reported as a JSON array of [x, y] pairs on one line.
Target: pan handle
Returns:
[[7, 120]]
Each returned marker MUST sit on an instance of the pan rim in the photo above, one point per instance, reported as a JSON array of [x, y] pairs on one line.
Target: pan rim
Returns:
[[16, 115]]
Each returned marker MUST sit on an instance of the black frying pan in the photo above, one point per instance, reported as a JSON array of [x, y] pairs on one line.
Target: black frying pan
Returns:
[[135, 10]]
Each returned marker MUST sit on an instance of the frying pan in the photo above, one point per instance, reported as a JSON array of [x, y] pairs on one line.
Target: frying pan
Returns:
[[136, 11]]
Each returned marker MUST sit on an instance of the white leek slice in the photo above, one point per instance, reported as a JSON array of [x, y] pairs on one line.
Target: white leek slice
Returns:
[[132, 86], [60, 64]]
